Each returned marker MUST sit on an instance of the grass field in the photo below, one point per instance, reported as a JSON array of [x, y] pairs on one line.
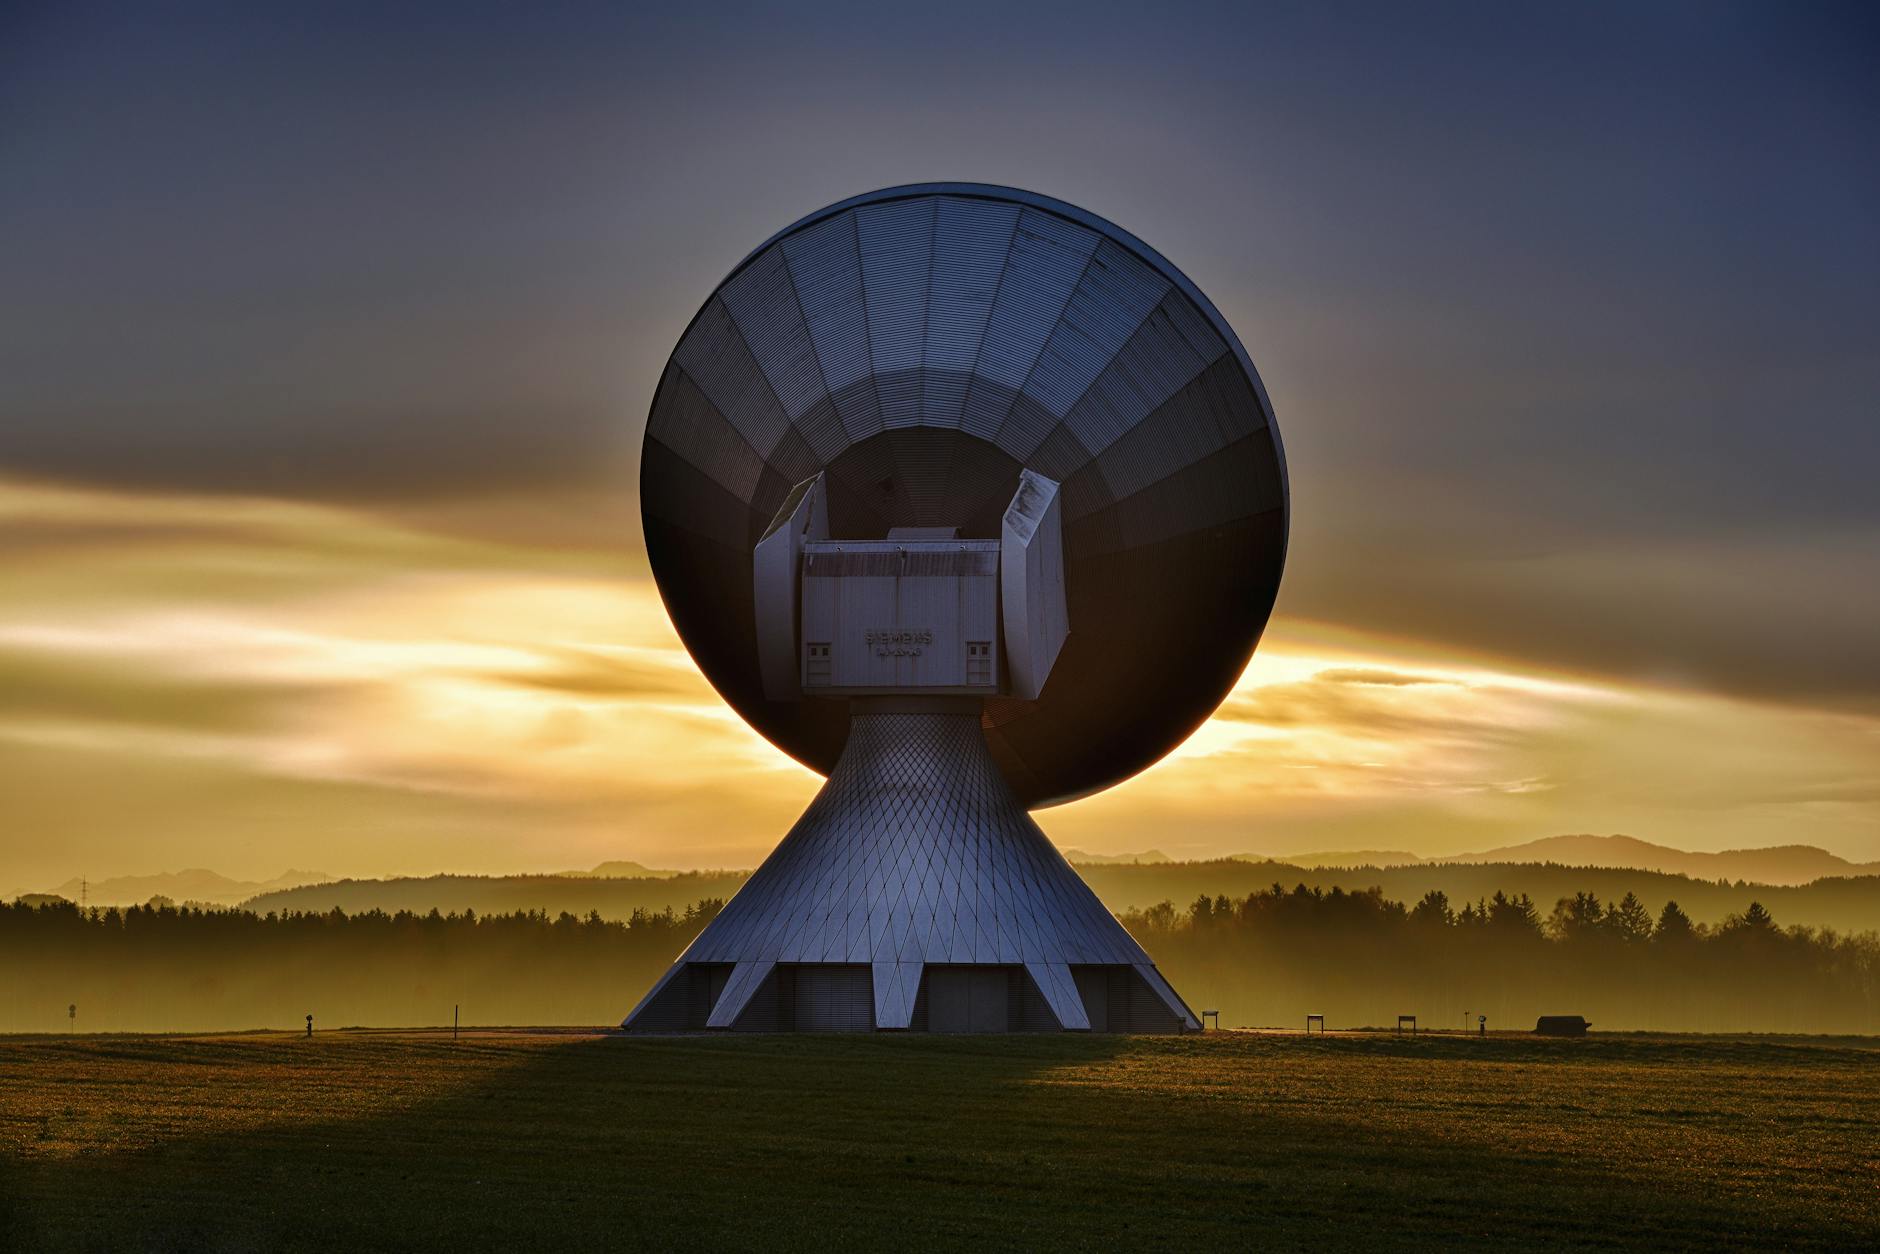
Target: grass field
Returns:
[[357, 1140]]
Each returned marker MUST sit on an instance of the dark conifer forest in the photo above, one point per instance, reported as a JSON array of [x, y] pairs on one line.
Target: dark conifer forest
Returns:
[[1266, 959], [1358, 958], [167, 968]]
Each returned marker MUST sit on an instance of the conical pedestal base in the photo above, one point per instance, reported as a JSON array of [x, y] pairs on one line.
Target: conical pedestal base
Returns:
[[915, 893]]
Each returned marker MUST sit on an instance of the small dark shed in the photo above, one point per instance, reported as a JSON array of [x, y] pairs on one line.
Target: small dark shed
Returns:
[[1560, 1025]]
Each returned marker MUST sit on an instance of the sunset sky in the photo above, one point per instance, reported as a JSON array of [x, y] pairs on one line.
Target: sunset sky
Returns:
[[326, 347]]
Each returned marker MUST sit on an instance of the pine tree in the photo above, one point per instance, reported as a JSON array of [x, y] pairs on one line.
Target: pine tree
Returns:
[[1674, 926], [1757, 919], [1433, 910], [1576, 918], [1514, 914], [1629, 920]]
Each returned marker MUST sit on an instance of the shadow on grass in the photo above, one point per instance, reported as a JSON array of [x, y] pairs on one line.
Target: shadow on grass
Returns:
[[805, 1142]]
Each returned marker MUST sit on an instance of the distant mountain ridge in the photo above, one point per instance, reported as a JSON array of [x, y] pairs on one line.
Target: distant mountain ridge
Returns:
[[1850, 903], [193, 884], [619, 870], [198, 884], [1345, 858], [626, 885], [613, 897], [1083, 857], [1784, 865], [1787, 865]]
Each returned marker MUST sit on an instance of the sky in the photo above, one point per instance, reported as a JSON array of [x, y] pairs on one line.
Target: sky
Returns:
[[327, 338]]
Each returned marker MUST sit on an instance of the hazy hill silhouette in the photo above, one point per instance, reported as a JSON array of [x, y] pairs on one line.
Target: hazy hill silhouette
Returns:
[[194, 884], [1806, 884], [1777, 864], [1780, 864], [1341, 857], [611, 898], [618, 870], [1846, 903]]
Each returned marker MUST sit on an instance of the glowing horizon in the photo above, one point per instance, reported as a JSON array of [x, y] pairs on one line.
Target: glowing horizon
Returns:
[[249, 684]]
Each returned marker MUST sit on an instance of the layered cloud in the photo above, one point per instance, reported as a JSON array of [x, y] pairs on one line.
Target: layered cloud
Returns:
[[1340, 739], [250, 684]]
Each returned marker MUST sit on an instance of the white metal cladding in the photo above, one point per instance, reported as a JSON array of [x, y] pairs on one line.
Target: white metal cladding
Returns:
[[802, 518], [746, 978], [897, 262], [897, 985], [1059, 987], [971, 241], [900, 615], [922, 346], [1033, 609], [915, 852]]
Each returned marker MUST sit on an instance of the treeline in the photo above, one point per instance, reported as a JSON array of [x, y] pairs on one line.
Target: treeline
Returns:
[[1359, 958], [158, 969], [1268, 958], [1851, 904]]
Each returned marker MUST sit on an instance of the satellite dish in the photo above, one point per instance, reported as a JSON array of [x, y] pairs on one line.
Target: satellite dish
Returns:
[[941, 456], [920, 347]]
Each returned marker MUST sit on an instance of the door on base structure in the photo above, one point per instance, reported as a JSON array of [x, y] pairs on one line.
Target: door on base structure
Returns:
[[1117, 999], [968, 999]]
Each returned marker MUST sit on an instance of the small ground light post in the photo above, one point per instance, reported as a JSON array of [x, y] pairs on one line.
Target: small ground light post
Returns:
[[1211, 1014], [71, 1015], [1481, 1022], [453, 1023], [309, 1027], [1312, 1019]]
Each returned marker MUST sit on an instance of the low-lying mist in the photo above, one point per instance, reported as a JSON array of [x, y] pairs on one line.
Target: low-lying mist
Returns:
[[1266, 959]]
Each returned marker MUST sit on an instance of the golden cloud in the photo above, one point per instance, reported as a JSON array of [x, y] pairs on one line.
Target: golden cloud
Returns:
[[251, 684]]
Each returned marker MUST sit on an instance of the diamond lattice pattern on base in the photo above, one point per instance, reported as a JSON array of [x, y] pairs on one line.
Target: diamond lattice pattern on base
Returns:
[[914, 852]]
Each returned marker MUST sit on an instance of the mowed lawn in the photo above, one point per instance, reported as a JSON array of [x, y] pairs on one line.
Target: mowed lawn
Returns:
[[364, 1140]]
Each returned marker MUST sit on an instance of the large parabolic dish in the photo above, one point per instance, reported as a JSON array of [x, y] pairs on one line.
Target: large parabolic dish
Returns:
[[921, 346]]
